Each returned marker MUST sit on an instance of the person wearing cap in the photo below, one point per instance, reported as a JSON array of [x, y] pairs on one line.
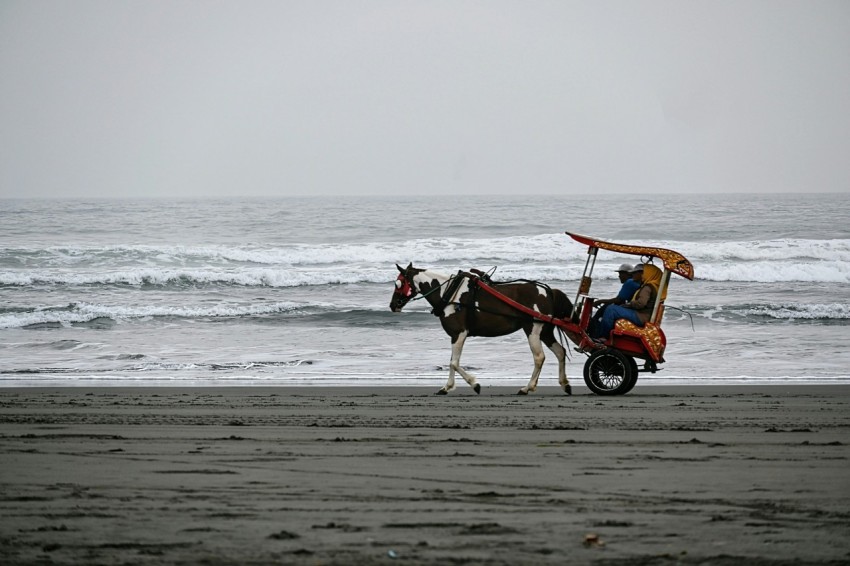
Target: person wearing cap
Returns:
[[638, 309], [627, 290]]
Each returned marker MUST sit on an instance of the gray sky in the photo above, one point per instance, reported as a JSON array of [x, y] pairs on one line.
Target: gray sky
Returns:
[[206, 98]]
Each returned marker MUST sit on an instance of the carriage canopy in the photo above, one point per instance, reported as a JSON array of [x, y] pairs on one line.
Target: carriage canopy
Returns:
[[673, 261]]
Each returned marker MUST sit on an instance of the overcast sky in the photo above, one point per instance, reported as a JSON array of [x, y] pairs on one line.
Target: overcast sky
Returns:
[[206, 98]]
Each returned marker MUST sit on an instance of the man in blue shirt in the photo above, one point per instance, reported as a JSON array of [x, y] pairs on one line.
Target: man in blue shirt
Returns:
[[628, 289]]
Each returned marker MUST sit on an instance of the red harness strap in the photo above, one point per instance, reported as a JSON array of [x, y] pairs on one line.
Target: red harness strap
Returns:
[[563, 323], [518, 306]]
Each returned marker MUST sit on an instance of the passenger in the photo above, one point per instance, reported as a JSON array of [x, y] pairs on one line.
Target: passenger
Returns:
[[637, 310], [627, 290]]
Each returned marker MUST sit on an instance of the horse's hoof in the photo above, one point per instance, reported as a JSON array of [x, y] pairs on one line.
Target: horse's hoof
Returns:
[[521, 392], [568, 390], [442, 392], [477, 388]]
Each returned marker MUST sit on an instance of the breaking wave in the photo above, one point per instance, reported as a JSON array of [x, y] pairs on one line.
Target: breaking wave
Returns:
[[545, 257], [758, 313], [85, 313], [326, 314]]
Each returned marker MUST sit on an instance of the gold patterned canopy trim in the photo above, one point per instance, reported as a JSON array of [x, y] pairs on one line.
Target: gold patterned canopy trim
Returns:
[[673, 261]]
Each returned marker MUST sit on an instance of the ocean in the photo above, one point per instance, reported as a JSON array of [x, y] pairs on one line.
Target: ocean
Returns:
[[296, 291]]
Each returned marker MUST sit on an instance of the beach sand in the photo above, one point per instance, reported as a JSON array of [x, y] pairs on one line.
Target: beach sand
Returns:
[[664, 475]]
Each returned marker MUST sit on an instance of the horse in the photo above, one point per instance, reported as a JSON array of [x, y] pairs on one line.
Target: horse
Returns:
[[466, 310]]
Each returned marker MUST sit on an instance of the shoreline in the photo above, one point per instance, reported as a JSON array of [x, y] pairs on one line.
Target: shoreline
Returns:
[[347, 475], [394, 381], [461, 388]]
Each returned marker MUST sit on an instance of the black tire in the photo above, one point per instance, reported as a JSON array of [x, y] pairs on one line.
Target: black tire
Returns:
[[610, 372], [633, 380]]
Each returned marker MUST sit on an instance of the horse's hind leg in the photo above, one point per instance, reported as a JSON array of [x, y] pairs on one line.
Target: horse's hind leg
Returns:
[[561, 354], [539, 357], [454, 366]]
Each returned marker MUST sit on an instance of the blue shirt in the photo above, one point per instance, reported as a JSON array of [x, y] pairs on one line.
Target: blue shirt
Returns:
[[628, 290]]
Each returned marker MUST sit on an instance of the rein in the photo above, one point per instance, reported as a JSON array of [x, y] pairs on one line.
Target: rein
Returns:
[[452, 284], [435, 289]]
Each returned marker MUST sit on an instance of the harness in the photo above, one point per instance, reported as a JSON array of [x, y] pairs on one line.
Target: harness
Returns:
[[521, 307], [480, 280], [452, 285]]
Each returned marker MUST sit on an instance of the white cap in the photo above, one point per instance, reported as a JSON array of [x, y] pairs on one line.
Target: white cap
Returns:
[[638, 267], [625, 267]]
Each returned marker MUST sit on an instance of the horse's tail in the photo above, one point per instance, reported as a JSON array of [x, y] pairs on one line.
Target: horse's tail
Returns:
[[563, 307]]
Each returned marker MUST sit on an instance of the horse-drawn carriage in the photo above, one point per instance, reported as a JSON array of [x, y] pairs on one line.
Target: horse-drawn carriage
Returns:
[[611, 368], [471, 304]]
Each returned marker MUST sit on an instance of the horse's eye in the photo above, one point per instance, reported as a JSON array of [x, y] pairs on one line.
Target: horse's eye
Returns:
[[397, 284]]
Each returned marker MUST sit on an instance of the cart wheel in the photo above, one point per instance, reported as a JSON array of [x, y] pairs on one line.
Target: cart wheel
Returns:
[[633, 380], [610, 372]]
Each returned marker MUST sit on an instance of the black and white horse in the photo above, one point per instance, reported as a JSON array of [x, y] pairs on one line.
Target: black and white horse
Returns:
[[466, 310]]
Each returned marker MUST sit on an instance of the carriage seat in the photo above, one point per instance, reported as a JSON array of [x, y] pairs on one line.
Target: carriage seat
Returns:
[[650, 336]]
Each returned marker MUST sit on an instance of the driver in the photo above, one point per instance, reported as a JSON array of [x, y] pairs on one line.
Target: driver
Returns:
[[627, 290]]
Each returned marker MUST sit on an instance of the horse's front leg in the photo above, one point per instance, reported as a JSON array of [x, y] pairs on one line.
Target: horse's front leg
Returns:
[[454, 366], [539, 357]]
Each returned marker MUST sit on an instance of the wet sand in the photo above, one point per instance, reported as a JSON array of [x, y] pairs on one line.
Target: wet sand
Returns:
[[664, 475]]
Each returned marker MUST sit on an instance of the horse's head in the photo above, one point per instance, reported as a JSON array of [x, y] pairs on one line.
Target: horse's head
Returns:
[[405, 289]]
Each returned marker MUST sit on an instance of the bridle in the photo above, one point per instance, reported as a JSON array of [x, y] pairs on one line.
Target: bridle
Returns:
[[404, 287]]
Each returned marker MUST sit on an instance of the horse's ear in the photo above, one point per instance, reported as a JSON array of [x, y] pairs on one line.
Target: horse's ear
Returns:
[[409, 266], [400, 270]]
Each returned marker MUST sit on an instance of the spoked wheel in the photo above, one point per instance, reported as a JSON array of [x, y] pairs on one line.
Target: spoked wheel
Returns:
[[610, 372], [633, 380]]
